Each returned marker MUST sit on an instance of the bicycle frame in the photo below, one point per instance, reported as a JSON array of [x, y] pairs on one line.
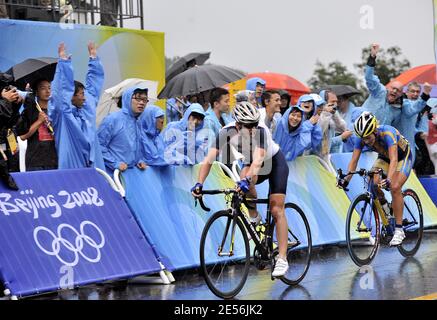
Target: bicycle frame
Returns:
[[236, 202]]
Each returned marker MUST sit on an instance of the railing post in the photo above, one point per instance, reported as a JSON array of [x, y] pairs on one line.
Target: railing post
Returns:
[[121, 13], [141, 14], [92, 12]]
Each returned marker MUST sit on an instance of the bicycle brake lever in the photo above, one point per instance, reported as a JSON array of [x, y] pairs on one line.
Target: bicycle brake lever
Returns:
[[202, 205]]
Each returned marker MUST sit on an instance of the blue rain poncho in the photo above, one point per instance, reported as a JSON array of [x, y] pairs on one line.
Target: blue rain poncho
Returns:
[[75, 128], [151, 138], [316, 133], [377, 102], [251, 85], [408, 121], [120, 135], [211, 122], [183, 146], [378, 105], [294, 143]]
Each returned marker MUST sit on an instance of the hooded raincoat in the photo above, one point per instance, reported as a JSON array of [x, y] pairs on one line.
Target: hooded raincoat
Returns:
[[120, 135], [294, 143], [316, 133], [251, 85], [151, 138], [183, 146], [75, 128]]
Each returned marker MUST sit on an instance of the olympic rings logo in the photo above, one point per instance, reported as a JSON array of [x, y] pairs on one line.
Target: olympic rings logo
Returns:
[[76, 248]]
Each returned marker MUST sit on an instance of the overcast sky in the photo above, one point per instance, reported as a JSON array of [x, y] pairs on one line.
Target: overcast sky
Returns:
[[288, 36]]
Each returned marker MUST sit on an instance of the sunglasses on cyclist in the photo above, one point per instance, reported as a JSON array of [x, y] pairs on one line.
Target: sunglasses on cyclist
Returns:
[[250, 125]]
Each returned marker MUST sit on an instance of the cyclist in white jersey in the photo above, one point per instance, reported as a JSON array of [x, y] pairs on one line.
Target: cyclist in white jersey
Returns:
[[263, 160]]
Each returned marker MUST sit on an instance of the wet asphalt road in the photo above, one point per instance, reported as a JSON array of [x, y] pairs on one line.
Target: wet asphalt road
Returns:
[[332, 276]]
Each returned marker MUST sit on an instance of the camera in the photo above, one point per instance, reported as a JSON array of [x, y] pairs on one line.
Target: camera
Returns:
[[10, 88]]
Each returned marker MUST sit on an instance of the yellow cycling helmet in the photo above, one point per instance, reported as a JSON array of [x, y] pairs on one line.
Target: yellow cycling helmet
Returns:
[[365, 125]]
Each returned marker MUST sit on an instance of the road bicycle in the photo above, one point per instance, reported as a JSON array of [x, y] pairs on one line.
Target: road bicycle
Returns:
[[368, 225], [225, 252]]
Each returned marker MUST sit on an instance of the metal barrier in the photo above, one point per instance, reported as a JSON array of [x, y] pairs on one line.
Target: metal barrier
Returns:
[[103, 12]]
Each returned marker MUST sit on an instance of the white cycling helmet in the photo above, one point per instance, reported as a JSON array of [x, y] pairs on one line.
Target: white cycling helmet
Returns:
[[246, 113], [365, 124]]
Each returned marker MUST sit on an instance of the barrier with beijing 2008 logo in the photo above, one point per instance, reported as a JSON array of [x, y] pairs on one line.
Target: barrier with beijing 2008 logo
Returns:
[[66, 228]]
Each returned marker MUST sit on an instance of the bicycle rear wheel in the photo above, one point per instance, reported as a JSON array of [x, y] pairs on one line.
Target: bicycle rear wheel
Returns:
[[412, 222], [224, 254], [299, 244], [362, 230]]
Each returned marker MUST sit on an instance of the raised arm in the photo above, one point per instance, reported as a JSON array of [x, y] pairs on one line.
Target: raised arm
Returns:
[[62, 85], [96, 75], [373, 83]]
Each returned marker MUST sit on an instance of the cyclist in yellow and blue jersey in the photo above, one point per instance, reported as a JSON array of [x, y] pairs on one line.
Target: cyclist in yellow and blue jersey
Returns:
[[394, 158]]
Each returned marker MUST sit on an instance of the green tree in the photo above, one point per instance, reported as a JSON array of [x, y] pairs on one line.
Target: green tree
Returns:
[[170, 61], [335, 73], [389, 63]]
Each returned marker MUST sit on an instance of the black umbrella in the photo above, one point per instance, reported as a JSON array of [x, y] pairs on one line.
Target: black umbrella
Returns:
[[199, 79], [5, 79], [33, 69], [182, 64], [342, 90]]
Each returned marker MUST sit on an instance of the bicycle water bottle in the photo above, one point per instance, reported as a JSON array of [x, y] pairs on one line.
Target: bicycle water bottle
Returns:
[[261, 229], [390, 219]]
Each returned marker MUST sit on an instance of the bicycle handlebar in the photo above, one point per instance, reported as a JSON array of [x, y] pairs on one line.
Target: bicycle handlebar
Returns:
[[211, 192]]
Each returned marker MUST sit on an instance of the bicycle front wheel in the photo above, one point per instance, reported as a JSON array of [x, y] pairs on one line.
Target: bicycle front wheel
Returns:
[[299, 244], [412, 223], [224, 254], [362, 230]]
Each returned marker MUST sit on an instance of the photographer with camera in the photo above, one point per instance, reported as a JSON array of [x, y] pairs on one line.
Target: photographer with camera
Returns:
[[10, 102], [330, 122]]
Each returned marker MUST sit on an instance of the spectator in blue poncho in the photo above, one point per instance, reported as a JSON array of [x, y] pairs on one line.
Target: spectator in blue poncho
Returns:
[[312, 106], [72, 110], [294, 134], [387, 103], [152, 123], [257, 85], [185, 141], [120, 132]]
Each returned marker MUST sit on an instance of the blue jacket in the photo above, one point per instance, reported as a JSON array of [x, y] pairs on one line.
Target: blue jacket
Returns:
[[75, 128], [407, 125], [152, 141], [183, 146], [293, 144], [316, 133], [120, 135], [251, 85], [211, 122], [377, 102]]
